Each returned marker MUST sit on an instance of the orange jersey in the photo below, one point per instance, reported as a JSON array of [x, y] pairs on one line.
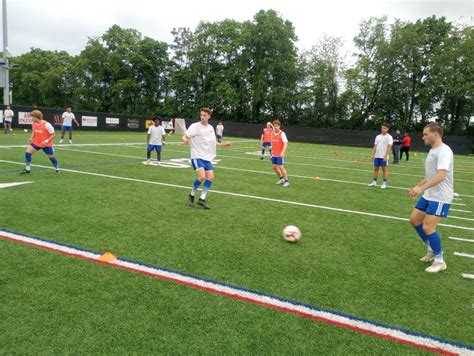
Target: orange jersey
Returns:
[[278, 141], [267, 135], [41, 133]]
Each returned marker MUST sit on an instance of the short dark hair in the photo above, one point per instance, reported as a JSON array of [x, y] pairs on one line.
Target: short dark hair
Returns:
[[435, 127], [207, 110], [386, 124]]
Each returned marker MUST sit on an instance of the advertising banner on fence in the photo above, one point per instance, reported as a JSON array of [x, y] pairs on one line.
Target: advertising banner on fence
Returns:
[[112, 121], [149, 123], [1, 116], [24, 118], [133, 123], [89, 121]]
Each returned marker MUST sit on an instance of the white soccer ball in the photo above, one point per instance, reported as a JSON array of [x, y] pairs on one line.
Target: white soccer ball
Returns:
[[26, 130], [291, 233]]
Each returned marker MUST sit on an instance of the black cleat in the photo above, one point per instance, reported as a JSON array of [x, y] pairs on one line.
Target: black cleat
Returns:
[[202, 202], [191, 200], [25, 171]]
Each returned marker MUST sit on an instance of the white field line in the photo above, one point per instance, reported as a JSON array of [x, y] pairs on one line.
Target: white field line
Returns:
[[468, 276], [461, 218], [460, 210], [461, 254], [329, 317], [329, 167], [253, 197], [252, 171], [460, 239]]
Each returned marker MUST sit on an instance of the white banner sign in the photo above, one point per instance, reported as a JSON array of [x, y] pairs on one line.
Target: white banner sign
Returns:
[[112, 120], [90, 121], [24, 118], [1, 116]]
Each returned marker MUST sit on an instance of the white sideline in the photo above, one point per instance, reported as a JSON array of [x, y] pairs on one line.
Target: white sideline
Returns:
[[468, 276], [288, 202], [460, 239], [461, 254], [364, 326]]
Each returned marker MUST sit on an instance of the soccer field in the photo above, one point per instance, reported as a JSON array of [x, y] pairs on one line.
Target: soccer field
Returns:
[[357, 258]]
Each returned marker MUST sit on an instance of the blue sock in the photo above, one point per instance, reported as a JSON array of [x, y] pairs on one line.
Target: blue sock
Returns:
[[196, 185], [54, 161], [385, 180], [374, 179], [28, 160], [263, 151], [435, 243], [205, 189], [421, 233]]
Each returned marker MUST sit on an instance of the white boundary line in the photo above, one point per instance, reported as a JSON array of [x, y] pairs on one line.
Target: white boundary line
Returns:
[[468, 276], [460, 210], [329, 317], [461, 254], [460, 239], [254, 197]]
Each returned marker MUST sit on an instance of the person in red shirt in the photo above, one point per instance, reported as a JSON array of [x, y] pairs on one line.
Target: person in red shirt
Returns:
[[266, 139], [406, 146], [42, 135], [279, 145]]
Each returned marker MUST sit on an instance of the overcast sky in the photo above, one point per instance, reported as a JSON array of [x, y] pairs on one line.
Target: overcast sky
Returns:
[[67, 24]]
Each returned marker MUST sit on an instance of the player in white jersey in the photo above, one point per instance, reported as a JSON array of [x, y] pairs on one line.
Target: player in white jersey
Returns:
[[7, 119], [202, 139], [68, 118], [382, 147], [155, 140], [438, 187], [219, 131]]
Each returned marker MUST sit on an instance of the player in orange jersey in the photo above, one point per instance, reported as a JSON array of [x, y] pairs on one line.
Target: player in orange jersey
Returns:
[[42, 135], [279, 145], [266, 139]]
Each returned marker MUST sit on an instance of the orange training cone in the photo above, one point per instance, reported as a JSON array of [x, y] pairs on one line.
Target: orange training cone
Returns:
[[108, 257]]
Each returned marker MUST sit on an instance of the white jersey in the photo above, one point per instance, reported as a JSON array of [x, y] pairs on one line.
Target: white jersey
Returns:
[[67, 118], [382, 142], [156, 135], [50, 128], [8, 115], [438, 158], [219, 130], [202, 140]]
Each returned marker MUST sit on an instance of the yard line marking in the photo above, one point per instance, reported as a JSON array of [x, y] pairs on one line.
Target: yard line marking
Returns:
[[466, 275], [462, 211], [330, 317], [461, 254], [7, 185], [461, 218], [254, 197], [460, 239]]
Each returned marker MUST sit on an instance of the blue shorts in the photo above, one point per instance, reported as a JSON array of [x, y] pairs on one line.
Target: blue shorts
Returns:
[[198, 163], [219, 136], [278, 160], [379, 162], [7, 122], [66, 128], [154, 147], [47, 150], [266, 144], [431, 207]]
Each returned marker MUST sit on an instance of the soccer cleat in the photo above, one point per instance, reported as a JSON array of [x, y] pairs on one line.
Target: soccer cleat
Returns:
[[25, 171], [70, 141], [286, 184], [373, 184], [191, 200], [261, 158], [280, 181], [437, 267], [57, 170], [428, 257], [202, 202], [384, 185], [61, 141]]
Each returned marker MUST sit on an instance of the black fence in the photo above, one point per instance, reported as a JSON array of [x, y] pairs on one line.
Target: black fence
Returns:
[[120, 122]]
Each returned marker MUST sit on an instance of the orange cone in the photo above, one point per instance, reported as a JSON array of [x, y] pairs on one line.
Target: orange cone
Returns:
[[108, 257]]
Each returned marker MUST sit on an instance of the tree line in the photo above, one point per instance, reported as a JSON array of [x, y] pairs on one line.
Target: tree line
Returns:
[[406, 73]]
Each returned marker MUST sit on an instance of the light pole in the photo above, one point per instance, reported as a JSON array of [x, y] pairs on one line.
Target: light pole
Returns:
[[6, 55]]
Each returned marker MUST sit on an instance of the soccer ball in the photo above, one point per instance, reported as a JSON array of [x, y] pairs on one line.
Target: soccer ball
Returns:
[[26, 130], [291, 233]]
